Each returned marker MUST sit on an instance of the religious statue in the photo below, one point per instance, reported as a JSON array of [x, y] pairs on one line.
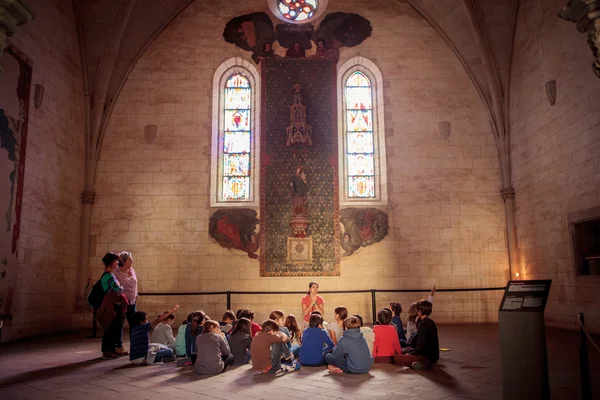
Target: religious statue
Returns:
[[299, 132], [299, 221], [296, 51], [266, 52], [324, 52]]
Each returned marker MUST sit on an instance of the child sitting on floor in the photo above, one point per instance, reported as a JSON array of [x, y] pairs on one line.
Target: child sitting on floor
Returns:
[[163, 333], [427, 348], [351, 355], [212, 349], [367, 332], [396, 320], [240, 340], [315, 343], [247, 313], [386, 344], [295, 333], [411, 320], [268, 348], [141, 350], [180, 339], [336, 329], [228, 320], [192, 331], [279, 317]]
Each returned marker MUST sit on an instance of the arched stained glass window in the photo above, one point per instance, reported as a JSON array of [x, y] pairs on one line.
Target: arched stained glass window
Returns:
[[237, 139], [360, 149], [363, 172]]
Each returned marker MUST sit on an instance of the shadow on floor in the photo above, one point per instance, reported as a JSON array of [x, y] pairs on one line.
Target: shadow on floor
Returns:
[[51, 372]]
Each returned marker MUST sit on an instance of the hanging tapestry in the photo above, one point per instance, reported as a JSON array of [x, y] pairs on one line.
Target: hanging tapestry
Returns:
[[15, 82], [299, 210]]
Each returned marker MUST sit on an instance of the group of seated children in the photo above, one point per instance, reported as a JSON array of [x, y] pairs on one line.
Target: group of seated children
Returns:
[[279, 344]]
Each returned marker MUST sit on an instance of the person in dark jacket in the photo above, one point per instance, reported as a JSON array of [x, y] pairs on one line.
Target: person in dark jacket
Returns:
[[351, 355], [426, 351]]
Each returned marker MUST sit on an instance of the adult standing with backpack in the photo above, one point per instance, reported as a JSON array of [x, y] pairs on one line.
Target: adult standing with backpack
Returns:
[[109, 283], [127, 278]]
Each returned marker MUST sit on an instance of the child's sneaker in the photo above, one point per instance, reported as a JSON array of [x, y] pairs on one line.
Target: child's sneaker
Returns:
[[418, 366], [295, 366]]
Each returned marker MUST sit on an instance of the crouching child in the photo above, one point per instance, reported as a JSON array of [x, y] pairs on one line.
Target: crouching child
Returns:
[[269, 347]]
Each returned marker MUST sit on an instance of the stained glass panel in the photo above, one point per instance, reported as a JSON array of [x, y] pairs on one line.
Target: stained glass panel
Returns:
[[360, 142], [237, 81], [237, 98], [298, 10], [236, 142], [360, 164], [358, 98], [361, 186], [358, 79], [360, 120], [236, 165], [237, 120], [236, 188]]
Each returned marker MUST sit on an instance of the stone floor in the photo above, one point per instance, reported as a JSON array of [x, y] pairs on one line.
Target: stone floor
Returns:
[[68, 367]]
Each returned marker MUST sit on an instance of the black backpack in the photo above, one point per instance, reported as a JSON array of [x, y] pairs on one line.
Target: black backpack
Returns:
[[96, 295]]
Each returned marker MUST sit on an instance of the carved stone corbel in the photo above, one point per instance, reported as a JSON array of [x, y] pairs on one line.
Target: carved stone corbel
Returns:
[[88, 197], [13, 13], [586, 14]]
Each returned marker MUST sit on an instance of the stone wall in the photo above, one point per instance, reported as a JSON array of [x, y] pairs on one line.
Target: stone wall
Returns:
[[555, 154], [49, 239], [446, 214]]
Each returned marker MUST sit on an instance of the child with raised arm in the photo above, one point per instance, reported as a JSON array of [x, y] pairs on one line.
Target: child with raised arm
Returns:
[[427, 348], [268, 348], [336, 329], [386, 344], [141, 350], [351, 355], [163, 333], [411, 320], [315, 343], [240, 340], [212, 349]]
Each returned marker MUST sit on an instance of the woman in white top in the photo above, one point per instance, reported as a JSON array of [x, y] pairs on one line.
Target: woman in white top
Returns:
[[126, 276]]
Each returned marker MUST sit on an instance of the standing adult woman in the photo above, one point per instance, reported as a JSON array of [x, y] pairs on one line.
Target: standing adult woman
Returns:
[[126, 276], [312, 302], [112, 335]]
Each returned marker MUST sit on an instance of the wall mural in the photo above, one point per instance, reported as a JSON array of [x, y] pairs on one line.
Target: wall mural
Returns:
[[255, 32], [236, 229], [15, 82], [299, 184], [362, 227]]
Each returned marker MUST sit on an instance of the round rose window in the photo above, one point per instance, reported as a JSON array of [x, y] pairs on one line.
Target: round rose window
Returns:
[[298, 10]]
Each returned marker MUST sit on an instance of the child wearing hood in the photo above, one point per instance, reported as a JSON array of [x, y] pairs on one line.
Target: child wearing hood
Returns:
[[351, 355]]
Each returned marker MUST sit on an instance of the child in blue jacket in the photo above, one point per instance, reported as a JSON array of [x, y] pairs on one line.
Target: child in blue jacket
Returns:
[[351, 355], [315, 343]]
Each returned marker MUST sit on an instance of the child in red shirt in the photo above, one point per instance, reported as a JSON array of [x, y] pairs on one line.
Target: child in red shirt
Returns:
[[386, 344]]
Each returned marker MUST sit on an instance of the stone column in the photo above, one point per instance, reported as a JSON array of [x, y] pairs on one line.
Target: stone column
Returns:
[[87, 200], [508, 194], [13, 13]]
